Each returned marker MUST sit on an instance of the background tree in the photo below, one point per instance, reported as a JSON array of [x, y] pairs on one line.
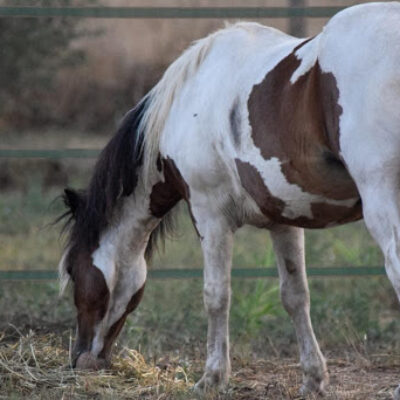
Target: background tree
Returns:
[[32, 52]]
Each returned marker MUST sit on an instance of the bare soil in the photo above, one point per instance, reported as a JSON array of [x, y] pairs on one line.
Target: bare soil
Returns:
[[352, 378]]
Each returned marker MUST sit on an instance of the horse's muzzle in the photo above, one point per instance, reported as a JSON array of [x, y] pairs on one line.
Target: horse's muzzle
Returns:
[[90, 362]]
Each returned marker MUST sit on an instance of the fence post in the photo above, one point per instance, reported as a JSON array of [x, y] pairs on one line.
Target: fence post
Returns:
[[297, 25]]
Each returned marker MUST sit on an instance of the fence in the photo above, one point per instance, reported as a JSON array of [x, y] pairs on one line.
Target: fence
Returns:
[[170, 12], [166, 12]]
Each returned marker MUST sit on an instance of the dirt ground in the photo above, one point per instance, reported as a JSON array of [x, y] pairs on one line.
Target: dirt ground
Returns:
[[357, 379], [38, 367]]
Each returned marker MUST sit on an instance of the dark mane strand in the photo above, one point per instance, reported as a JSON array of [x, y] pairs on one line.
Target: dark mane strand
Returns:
[[69, 215], [115, 176]]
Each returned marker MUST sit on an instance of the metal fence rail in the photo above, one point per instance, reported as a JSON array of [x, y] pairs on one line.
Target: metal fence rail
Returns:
[[170, 12], [49, 154], [40, 275]]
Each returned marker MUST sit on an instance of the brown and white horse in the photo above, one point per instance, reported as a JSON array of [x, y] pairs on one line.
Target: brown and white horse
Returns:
[[248, 126]]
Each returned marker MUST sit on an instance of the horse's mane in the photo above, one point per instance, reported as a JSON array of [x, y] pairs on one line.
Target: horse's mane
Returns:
[[90, 211], [161, 97], [115, 175]]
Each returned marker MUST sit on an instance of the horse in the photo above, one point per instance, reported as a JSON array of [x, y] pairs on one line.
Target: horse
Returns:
[[248, 126]]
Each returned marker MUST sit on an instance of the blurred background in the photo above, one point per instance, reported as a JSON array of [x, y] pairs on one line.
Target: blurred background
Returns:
[[65, 83]]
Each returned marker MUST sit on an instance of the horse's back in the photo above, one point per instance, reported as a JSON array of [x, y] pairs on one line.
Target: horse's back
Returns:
[[265, 116], [209, 114]]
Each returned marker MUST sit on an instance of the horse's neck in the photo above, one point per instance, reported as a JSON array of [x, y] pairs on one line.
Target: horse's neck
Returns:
[[122, 245]]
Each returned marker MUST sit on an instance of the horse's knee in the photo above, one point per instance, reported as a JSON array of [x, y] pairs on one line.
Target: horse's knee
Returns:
[[216, 297], [294, 299]]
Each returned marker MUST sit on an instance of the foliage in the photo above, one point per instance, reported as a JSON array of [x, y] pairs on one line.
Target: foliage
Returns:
[[33, 51], [250, 310]]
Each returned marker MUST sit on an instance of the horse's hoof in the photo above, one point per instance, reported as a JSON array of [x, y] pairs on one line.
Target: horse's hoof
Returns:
[[396, 394], [306, 391], [314, 385], [211, 382]]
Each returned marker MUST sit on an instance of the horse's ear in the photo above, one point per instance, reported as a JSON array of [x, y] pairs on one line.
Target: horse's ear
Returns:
[[73, 200]]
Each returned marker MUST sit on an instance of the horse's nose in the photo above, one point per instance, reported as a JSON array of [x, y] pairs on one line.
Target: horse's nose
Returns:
[[91, 362]]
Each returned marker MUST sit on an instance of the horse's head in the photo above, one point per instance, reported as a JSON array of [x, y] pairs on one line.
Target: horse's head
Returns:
[[102, 304]]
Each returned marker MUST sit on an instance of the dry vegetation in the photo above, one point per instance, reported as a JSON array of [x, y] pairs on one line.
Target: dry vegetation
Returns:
[[38, 367]]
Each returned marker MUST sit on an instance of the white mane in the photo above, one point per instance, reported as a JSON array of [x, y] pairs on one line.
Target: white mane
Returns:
[[161, 97]]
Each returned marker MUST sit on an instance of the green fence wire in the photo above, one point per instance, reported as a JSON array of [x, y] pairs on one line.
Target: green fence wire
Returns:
[[40, 275], [170, 12], [49, 154]]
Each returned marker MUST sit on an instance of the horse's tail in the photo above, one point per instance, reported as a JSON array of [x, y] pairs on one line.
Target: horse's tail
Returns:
[[161, 97]]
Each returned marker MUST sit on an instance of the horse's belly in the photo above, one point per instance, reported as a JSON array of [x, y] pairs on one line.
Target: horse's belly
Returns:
[[285, 202]]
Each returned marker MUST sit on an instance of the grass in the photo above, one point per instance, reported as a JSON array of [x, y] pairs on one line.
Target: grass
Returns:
[[354, 319]]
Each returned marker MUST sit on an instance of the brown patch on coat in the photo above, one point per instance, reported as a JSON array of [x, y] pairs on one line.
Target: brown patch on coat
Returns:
[[290, 266], [299, 124], [117, 326], [165, 195], [252, 181], [272, 207], [91, 297]]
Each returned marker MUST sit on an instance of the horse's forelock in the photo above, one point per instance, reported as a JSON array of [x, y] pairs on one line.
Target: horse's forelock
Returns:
[[74, 200]]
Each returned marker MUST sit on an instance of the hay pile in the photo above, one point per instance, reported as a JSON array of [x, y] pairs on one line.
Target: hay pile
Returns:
[[39, 367]]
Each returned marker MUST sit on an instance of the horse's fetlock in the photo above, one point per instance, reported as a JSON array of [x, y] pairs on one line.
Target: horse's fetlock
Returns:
[[293, 302], [213, 380]]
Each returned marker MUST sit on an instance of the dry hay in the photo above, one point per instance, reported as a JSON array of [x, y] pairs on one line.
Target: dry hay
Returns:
[[35, 365], [39, 367]]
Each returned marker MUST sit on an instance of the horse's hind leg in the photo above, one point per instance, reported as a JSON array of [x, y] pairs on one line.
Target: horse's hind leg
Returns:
[[380, 196], [289, 249], [217, 241]]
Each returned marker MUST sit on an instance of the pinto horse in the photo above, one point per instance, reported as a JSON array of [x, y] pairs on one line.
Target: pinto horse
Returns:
[[248, 126]]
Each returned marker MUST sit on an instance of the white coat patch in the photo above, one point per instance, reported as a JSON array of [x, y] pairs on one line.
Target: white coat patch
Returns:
[[104, 259], [308, 55]]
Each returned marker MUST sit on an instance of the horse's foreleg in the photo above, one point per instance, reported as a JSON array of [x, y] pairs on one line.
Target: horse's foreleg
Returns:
[[289, 249], [217, 240]]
